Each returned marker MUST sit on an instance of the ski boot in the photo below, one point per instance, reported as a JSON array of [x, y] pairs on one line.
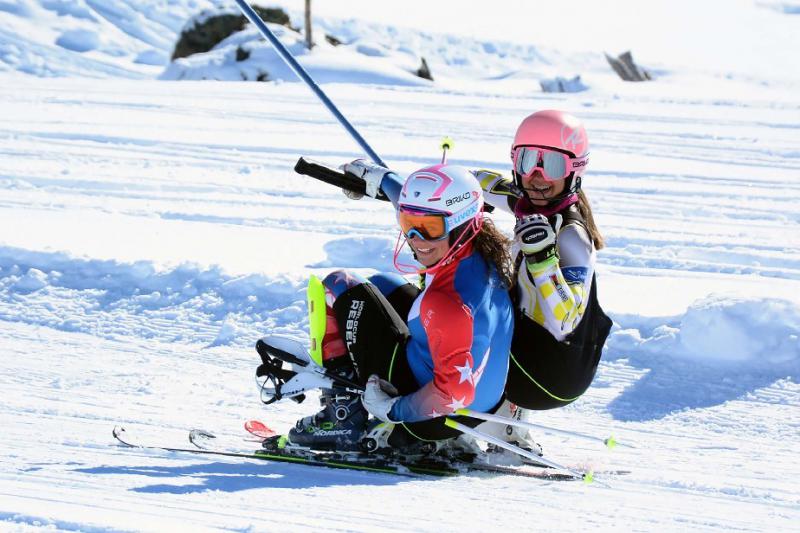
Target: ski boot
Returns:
[[339, 426]]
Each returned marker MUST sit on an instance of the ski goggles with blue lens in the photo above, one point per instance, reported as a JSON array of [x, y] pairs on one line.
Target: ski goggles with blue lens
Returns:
[[554, 165]]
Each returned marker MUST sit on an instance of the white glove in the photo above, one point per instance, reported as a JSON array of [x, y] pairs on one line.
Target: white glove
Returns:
[[537, 238], [377, 398], [371, 173], [353, 195]]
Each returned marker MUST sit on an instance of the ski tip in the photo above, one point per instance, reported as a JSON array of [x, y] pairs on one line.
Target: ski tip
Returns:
[[119, 434], [259, 429], [611, 442], [588, 477]]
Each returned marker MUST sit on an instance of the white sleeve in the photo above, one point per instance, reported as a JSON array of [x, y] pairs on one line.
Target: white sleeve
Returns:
[[497, 190], [555, 297]]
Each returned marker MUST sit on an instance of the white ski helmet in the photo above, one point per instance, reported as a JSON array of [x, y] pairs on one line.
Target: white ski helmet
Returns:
[[439, 202], [446, 190]]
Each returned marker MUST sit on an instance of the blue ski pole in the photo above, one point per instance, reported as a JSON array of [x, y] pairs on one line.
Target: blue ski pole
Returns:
[[253, 17]]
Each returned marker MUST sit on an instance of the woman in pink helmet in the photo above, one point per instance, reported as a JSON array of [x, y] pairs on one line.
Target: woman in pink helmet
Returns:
[[560, 328]]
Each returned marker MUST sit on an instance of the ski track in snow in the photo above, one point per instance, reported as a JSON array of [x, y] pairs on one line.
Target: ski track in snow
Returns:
[[155, 230]]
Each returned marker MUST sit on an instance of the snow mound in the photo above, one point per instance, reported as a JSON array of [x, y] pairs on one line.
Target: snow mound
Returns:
[[151, 57], [79, 40], [788, 7], [109, 299], [720, 330], [246, 56], [734, 329]]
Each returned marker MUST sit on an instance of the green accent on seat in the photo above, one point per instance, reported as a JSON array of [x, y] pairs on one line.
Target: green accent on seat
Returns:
[[391, 372], [391, 363], [317, 319], [565, 400], [449, 422], [417, 436], [282, 440]]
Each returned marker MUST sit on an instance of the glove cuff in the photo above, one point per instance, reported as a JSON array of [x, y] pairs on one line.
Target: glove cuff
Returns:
[[372, 180], [542, 260]]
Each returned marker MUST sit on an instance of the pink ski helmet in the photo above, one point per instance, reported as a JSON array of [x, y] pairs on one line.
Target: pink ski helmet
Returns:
[[554, 129]]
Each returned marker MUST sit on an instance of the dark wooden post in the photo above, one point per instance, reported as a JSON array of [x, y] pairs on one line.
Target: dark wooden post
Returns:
[[309, 40]]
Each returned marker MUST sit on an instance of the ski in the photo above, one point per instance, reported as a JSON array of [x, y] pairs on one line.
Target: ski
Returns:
[[259, 429], [124, 438], [526, 468], [355, 461]]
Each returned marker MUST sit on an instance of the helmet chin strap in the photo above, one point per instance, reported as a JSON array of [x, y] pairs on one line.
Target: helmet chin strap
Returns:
[[475, 225]]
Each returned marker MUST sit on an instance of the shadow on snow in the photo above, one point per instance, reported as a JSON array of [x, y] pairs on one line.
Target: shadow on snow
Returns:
[[673, 382], [229, 477]]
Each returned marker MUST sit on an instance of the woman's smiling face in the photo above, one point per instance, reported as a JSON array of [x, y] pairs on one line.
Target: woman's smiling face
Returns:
[[540, 190], [429, 252]]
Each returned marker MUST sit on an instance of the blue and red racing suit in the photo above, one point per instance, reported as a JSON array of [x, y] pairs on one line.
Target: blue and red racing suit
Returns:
[[461, 326]]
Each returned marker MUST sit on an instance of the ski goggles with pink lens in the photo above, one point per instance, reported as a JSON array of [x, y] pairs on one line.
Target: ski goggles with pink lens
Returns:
[[555, 165]]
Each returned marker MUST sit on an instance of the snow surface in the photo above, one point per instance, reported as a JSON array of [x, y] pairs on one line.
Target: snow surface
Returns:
[[154, 229]]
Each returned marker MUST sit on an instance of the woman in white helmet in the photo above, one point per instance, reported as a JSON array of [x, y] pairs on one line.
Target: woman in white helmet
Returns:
[[423, 352]]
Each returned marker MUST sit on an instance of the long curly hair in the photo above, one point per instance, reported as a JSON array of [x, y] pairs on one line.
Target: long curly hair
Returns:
[[586, 211], [495, 248]]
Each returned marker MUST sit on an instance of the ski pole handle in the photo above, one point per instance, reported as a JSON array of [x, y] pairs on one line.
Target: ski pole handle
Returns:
[[334, 176]]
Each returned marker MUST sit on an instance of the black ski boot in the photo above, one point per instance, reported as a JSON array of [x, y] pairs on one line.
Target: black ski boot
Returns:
[[339, 426]]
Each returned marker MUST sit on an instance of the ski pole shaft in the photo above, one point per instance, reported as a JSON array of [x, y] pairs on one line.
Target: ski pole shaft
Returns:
[[287, 56], [449, 422], [610, 442]]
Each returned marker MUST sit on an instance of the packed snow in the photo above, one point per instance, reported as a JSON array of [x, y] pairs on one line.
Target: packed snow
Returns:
[[154, 230]]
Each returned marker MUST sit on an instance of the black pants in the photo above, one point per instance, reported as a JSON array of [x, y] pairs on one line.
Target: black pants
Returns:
[[376, 337], [545, 373]]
